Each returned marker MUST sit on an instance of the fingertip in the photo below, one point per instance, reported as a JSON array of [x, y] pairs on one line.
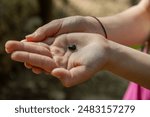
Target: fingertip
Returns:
[[36, 36], [14, 56], [60, 73], [64, 76], [36, 71], [17, 56], [55, 73], [29, 39], [29, 35], [24, 40], [7, 50], [27, 65], [9, 46]]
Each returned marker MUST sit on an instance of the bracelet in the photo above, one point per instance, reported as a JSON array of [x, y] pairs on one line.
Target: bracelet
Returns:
[[101, 26]]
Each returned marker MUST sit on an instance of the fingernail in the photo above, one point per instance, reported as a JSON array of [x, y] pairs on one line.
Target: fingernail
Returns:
[[30, 35], [24, 40], [7, 50], [55, 75], [27, 36]]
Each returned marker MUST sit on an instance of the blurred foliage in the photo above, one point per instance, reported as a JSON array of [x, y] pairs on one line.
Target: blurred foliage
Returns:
[[21, 17]]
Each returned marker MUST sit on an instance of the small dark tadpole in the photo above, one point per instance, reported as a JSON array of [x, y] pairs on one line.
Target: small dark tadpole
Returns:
[[72, 47]]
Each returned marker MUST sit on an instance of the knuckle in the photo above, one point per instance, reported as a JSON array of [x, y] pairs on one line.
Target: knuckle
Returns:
[[56, 21]]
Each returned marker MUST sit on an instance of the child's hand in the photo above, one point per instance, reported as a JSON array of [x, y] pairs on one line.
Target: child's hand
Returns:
[[66, 25], [37, 54], [62, 26], [72, 58]]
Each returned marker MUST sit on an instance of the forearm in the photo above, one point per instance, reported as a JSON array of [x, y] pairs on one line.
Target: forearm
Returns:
[[130, 64], [130, 27]]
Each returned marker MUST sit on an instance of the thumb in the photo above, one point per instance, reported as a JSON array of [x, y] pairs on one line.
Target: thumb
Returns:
[[71, 77], [48, 30], [61, 73]]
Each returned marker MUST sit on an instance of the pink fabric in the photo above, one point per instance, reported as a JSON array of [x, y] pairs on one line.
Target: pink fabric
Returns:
[[136, 92]]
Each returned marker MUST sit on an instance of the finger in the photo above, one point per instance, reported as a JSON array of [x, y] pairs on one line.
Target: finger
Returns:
[[27, 65], [43, 62], [62, 74], [49, 40], [24, 40], [72, 24], [36, 70], [45, 31], [12, 46], [73, 77]]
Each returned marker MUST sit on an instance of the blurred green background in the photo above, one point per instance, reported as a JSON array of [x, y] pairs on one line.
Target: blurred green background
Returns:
[[21, 17]]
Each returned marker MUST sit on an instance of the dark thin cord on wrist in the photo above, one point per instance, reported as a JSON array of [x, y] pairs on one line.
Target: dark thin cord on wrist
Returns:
[[104, 30]]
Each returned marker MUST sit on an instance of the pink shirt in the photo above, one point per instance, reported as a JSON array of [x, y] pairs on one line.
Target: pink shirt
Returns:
[[136, 92]]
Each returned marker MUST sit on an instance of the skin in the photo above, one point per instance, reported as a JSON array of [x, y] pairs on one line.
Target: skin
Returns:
[[93, 54], [129, 63], [133, 24], [71, 67], [130, 27]]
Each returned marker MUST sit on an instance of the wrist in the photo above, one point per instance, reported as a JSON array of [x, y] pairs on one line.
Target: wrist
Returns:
[[99, 28], [119, 58], [105, 52], [113, 58]]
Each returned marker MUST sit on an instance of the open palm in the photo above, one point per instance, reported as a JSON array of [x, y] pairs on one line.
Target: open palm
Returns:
[[56, 56]]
